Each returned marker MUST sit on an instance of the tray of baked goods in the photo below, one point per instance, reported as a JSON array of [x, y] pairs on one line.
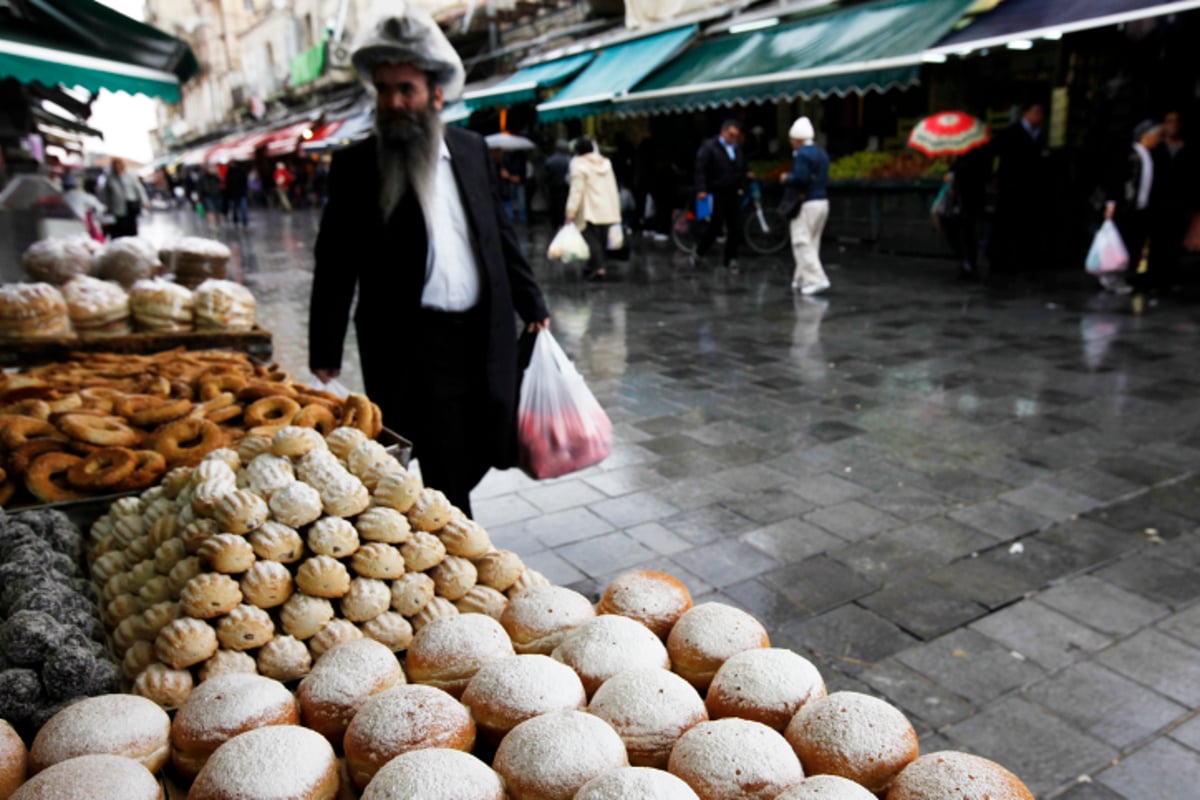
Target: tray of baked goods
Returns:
[[125, 297], [77, 433]]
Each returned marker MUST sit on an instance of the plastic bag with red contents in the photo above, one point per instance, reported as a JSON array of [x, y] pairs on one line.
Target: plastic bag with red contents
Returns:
[[560, 426]]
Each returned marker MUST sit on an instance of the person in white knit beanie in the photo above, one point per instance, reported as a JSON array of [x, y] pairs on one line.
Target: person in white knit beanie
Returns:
[[806, 204]]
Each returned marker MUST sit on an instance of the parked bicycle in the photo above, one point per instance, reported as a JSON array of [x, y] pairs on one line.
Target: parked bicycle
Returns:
[[764, 229]]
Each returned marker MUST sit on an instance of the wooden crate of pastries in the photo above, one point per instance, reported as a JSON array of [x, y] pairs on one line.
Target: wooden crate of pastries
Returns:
[[104, 423]]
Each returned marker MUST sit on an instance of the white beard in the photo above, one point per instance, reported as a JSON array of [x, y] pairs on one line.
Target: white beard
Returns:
[[409, 162]]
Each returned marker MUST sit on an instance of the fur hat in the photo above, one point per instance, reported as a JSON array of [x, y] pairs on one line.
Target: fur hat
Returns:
[[402, 33], [802, 129]]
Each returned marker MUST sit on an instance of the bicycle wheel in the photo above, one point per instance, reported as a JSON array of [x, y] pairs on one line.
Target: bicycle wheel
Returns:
[[766, 231], [683, 230]]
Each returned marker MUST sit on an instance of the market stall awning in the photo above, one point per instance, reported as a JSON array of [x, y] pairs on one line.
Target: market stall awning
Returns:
[[1037, 19], [522, 86], [286, 140], [614, 71], [83, 43], [345, 132], [873, 46]]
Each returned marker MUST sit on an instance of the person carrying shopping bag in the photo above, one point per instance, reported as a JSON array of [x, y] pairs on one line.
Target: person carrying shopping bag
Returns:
[[593, 203], [807, 206]]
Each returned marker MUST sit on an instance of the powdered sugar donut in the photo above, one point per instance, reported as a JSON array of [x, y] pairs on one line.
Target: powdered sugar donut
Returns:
[[735, 759], [650, 709], [707, 635], [831, 787], [276, 761], [106, 777], [608, 645], [507, 691], [635, 782], [116, 724], [13, 760], [221, 708], [448, 651], [341, 681], [538, 619], [854, 735], [950, 775], [400, 719], [766, 684], [655, 599], [550, 757], [435, 774]]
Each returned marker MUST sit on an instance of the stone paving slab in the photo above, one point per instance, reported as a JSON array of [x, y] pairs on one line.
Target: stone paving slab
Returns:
[[1160, 662], [971, 665], [1163, 768], [1044, 636]]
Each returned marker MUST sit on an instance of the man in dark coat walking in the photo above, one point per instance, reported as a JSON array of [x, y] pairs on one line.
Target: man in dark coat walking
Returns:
[[414, 222], [1022, 236], [558, 167], [721, 172]]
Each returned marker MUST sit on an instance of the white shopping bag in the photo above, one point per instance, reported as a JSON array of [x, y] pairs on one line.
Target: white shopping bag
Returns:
[[568, 245], [1107, 253]]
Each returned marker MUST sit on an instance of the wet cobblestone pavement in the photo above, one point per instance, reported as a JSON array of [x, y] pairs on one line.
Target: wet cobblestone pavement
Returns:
[[980, 504]]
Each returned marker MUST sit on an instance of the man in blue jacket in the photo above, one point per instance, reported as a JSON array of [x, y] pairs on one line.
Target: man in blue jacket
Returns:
[[808, 185], [721, 173]]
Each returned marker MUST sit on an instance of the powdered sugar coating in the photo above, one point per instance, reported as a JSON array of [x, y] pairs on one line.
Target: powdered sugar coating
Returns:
[[950, 775], [350, 672], [550, 757], [707, 635], [734, 759], [766, 684], [655, 599], [853, 735], [273, 763], [636, 783], [608, 645], [650, 709], [435, 774], [118, 724], [540, 617], [92, 777], [448, 651], [226, 704], [826, 787], [507, 691]]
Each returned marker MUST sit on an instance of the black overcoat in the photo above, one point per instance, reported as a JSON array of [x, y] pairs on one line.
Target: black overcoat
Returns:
[[385, 261]]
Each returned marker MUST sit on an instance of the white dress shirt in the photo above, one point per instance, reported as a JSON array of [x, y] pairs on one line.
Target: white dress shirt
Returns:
[[1143, 194], [451, 272]]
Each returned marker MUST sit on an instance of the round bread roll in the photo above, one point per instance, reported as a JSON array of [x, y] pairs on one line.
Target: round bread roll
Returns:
[[14, 760], [116, 724], [655, 599], [854, 735], [284, 658], [950, 775], [341, 681], [705, 636], [507, 691], [734, 759], [304, 616], [333, 634], [435, 774], [649, 709], [436, 608], [499, 569], [228, 662], [550, 757], [538, 619], [608, 645], [279, 761], [221, 708], [830, 787], [391, 629], [448, 651], [465, 537], [106, 777], [404, 718], [635, 782], [766, 684], [482, 600], [165, 686], [411, 592]]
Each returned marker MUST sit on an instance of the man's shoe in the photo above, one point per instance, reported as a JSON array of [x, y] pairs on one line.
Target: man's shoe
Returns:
[[814, 288], [796, 286]]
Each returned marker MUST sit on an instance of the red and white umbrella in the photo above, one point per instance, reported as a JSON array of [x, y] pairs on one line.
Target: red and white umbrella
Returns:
[[948, 133]]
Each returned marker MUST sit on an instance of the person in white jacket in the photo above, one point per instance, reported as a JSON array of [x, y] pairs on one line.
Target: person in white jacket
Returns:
[[593, 203]]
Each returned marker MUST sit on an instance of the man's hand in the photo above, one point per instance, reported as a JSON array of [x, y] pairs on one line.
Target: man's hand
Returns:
[[539, 325], [783, 178], [1110, 208], [326, 375], [701, 195]]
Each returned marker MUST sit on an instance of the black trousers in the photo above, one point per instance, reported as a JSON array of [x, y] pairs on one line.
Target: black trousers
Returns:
[[451, 441], [596, 237], [1134, 227], [726, 213]]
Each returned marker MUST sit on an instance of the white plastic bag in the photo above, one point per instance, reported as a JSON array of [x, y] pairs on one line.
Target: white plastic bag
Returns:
[[1107, 253], [568, 245], [616, 237], [560, 426]]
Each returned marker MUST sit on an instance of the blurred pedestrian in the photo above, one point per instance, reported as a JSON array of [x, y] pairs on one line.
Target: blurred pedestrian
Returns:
[[1022, 236], [283, 180], [211, 193], [721, 172], [1131, 189], [125, 197], [254, 187], [1175, 200], [593, 203], [558, 180], [86, 206], [236, 191], [806, 202]]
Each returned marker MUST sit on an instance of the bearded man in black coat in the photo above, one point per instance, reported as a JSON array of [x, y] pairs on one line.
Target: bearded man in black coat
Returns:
[[414, 222]]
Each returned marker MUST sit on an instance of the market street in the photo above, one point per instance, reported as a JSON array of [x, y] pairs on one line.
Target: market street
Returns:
[[979, 504]]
